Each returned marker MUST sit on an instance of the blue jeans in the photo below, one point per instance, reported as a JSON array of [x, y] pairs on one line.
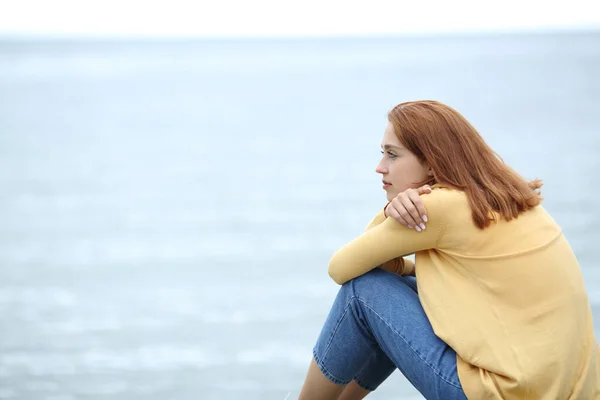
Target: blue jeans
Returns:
[[377, 324]]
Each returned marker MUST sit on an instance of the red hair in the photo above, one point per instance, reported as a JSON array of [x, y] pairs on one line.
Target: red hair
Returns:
[[460, 159]]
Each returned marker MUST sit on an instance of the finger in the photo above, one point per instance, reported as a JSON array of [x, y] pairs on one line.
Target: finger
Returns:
[[424, 189], [411, 214], [400, 208], [392, 212], [418, 203]]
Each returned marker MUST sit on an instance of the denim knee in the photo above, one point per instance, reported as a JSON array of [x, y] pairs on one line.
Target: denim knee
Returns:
[[377, 282]]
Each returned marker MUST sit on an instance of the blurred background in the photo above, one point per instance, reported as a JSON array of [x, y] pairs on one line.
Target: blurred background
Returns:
[[174, 177]]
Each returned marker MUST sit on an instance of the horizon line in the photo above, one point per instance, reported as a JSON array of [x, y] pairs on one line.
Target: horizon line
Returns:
[[42, 36]]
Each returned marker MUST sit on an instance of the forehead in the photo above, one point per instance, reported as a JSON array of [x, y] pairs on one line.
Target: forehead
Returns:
[[389, 136]]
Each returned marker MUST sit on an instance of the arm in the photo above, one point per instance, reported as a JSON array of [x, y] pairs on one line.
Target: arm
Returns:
[[398, 265], [385, 242], [378, 219]]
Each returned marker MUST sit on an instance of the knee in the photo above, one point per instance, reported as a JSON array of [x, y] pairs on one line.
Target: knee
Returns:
[[371, 281], [377, 282], [361, 284]]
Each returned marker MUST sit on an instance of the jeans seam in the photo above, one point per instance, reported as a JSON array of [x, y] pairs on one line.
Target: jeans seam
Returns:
[[408, 344], [335, 329], [325, 371], [363, 385]]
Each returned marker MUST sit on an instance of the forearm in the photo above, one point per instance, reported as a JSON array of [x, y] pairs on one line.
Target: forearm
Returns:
[[400, 265], [378, 219]]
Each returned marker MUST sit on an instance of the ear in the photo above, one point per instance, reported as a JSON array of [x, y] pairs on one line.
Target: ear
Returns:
[[430, 172]]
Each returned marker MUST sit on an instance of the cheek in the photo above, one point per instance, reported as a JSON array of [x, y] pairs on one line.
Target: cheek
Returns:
[[399, 171], [423, 173], [407, 174]]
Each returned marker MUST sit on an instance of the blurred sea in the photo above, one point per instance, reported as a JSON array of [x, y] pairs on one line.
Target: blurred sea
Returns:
[[168, 208]]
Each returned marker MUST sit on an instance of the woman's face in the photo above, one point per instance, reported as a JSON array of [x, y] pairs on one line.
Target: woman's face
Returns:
[[400, 169]]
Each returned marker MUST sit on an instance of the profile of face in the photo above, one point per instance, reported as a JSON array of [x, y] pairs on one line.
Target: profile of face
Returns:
[[400, 168]]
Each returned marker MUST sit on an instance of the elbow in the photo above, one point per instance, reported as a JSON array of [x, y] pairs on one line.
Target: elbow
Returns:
[[336, 278], [336, 274]]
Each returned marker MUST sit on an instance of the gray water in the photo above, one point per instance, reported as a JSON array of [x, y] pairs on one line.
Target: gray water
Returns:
[[168, 208]]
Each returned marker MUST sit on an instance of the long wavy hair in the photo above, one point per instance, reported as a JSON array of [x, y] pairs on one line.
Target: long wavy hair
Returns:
[[460, 159]]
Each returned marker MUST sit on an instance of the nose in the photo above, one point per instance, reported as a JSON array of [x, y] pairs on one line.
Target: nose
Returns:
[[381, 168]]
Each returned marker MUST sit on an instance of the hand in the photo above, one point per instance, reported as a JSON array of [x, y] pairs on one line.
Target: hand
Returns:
[[407, 208]]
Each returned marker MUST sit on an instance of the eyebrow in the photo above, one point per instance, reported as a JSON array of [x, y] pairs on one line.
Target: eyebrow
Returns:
[[391, 146]]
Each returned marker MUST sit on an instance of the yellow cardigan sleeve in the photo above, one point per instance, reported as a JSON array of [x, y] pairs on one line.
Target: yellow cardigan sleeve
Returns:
[[383, 242], [399, 265], [378, 219]]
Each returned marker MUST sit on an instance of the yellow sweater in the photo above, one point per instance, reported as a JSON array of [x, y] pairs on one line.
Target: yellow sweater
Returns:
[[509, 299]]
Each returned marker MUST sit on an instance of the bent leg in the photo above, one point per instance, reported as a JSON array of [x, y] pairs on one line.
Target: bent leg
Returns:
[[376, 324], [318, 387]]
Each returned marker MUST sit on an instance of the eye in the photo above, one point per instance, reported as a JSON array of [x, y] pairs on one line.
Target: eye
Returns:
[[390, 154]]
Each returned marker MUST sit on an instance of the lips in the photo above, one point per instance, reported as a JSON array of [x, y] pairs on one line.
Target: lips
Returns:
[[386, 183]]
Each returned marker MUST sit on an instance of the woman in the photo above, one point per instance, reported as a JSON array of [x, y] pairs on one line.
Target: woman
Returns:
[[498, 309]]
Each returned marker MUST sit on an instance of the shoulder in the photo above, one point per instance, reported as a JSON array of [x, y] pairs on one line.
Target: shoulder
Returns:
[[448, 206], [445, 198]]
